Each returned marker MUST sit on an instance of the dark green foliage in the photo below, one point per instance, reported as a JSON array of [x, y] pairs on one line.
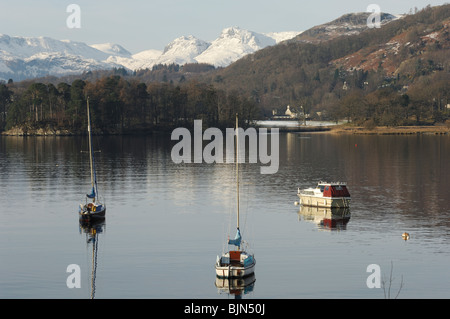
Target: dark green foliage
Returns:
[[121, 106]]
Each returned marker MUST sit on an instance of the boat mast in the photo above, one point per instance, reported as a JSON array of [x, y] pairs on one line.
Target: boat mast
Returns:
[[90, 146], [94, 261], [237, 168]]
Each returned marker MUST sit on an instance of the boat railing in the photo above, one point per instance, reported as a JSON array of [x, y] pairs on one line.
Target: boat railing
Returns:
[[333, 183]]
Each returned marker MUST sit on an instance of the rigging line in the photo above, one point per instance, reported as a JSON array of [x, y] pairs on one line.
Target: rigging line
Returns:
[[248, 215], [237, 167], [229, 221], [246, 207]]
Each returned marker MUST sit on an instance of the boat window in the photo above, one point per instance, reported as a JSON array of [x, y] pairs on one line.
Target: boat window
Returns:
[[321, 188], [326, 188]]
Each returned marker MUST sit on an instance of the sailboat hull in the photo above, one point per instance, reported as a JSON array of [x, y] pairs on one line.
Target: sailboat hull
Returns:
[[228, 268], [234, 272], [89, 215]]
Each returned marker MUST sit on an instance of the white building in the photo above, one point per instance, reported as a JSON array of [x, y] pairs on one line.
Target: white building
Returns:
[[291, 113]]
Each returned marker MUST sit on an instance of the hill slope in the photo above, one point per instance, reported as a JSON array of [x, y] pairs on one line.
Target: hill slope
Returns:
[[319, 69]]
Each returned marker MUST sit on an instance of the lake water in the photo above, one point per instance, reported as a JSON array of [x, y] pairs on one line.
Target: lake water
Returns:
[[166, 223]]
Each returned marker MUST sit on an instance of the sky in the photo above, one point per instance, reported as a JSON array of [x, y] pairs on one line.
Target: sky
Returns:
[[140, 25]]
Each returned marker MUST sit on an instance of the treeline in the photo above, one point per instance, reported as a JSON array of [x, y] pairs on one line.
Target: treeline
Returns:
[[424, 102], [120, 106]]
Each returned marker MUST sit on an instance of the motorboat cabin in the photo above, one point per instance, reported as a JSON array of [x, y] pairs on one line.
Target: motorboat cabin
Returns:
[[325, 194]]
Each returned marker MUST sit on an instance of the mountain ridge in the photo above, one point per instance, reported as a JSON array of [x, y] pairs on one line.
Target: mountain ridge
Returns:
[[31, 57], [27, 57], [347, 24]]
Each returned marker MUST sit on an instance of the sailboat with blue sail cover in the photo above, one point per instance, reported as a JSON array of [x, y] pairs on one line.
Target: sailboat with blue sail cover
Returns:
[[93, 209], [237, 262]]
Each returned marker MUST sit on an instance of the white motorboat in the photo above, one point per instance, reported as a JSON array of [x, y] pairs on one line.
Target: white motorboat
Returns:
[[325, 194]]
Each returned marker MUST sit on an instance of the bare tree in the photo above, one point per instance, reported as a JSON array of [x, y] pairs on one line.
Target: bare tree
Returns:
[[387, 289]]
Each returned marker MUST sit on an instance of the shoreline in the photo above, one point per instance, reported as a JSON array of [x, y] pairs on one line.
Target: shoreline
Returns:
[[329, 129], [391, 130]]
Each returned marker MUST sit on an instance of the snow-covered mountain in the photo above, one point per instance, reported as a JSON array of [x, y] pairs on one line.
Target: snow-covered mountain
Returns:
[[183, 50], [112, 49], [142, 60], [26, 57], [26, 47], [233, 44]]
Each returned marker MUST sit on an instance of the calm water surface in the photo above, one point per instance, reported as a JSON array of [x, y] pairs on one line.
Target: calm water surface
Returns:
[[167, 222]]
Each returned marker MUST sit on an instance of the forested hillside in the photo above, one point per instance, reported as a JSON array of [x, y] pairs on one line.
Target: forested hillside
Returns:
[[119, 105], [397, 74]]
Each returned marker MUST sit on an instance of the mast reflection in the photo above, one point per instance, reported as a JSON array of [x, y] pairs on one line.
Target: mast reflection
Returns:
[[92, 229]]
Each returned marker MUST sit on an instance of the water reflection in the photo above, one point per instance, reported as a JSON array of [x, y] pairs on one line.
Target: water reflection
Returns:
[[325, 218], [398, 184], [92, 229], [236, 287]]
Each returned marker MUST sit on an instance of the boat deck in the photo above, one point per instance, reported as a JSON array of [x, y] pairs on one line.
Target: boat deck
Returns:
[[234, 263]]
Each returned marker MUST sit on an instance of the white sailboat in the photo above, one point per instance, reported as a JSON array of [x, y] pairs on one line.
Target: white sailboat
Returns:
[[93, 209], [236, 263]]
